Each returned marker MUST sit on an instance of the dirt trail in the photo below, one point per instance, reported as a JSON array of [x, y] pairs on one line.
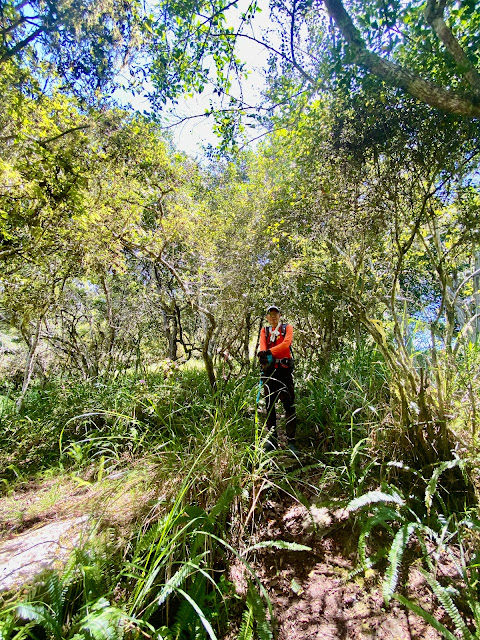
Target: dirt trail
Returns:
[[315, 594]]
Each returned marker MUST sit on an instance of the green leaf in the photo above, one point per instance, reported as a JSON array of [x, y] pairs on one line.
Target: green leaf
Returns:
[[420, 611], [446, 601], [395, 556], [279, 544], [373, 497], [39, 613], [201, 615], [432, 484]]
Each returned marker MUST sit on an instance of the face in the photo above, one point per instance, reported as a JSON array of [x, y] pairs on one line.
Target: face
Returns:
[[273, 318]]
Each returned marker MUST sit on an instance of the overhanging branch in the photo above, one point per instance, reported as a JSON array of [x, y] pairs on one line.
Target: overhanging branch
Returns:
[[394, 74]]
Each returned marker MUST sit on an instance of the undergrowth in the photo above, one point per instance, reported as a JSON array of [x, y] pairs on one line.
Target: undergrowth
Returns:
[[165, 577]]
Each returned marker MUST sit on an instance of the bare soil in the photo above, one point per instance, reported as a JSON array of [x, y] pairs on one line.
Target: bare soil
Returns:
[[316, 594]]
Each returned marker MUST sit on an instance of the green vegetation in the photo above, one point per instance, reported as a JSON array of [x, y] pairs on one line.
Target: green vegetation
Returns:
[[162, 572], [134, 281]]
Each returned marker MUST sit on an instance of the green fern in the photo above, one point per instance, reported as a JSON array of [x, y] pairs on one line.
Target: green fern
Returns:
[[186, 618], [39, 613], [56, 589], [420, 611], [9, 629], [246, 627], [395, 556], [255, 603], [163, 633], [200, 613], [382, 517], [183, 618], [450, 607], [432, 484], [373, 497], [168, 588], [103, 622]]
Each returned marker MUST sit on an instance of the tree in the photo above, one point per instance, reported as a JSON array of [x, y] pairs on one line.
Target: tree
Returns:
[[427, 52], [84, 43], [385, 229], [72, 183], [412, 34]]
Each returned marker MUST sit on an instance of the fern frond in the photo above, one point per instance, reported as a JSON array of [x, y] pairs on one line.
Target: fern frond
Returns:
[[420, 611], [432, 484], [200, 613], [183, 619], [40, 614], [56, 591], [255, 602], [279, 544], [177, 580], [8, 624], [395, 556], [104, 622], [383, 515], [372, 497], [186, 619], [163, 633], [398, 464], [450, 607], [246, 628]]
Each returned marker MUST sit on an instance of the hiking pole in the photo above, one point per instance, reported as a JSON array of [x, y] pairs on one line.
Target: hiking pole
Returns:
[[260, 385]]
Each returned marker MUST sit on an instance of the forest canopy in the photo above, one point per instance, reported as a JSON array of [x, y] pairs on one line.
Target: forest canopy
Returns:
[[118, 250], [126, 265]]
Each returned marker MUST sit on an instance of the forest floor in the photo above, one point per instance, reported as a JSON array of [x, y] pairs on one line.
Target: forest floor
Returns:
[[315, 594]]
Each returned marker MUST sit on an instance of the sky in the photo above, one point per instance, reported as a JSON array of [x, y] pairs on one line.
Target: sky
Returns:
[[194, 133]]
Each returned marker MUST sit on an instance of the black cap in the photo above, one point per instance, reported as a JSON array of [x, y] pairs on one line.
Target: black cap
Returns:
[[272, 307]]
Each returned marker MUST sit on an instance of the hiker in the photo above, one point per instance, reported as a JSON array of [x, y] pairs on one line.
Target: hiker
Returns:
[[276, 362]]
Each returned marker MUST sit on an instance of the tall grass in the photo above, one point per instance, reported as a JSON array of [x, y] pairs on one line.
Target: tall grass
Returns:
[[208, 475], [341, 405], [168, 574]]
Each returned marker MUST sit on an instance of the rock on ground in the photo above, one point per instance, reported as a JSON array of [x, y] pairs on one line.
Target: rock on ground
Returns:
[[26, 555]]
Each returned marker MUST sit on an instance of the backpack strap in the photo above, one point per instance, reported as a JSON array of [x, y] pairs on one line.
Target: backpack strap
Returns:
[[287, 363], [283, 331]]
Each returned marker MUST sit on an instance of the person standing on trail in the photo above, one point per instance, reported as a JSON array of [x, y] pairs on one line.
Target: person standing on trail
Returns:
[[276, 362]]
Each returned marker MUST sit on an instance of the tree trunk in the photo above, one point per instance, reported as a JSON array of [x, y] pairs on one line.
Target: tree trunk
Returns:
[[32, 353], [208, 315], [476, 292], [397, 76], [207, 358], [246, 338], [111, 331]]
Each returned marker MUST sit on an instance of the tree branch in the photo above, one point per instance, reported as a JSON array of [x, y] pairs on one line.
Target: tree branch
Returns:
[[395, 75], [434, 16], [9, 53], [45, 141], [300, 69]]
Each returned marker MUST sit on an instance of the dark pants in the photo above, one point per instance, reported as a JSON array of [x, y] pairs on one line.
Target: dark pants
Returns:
[[279, 386]]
